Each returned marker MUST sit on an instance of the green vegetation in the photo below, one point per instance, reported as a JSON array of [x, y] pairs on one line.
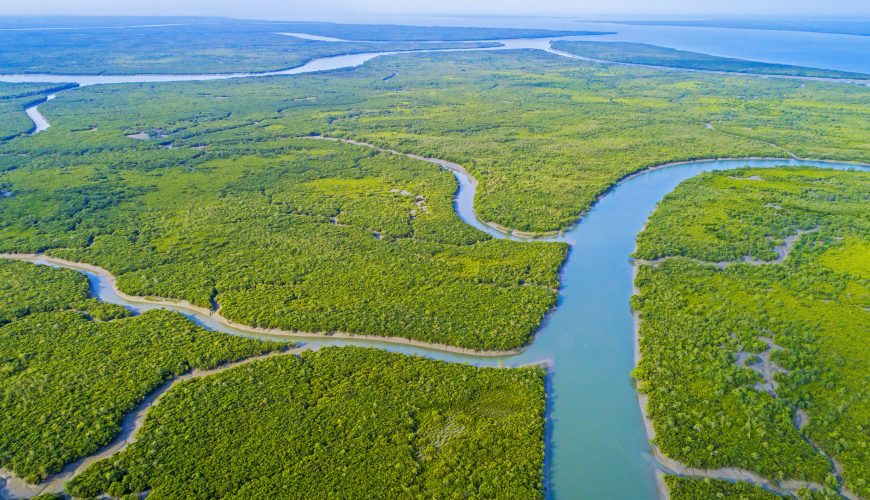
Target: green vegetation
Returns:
[[653, 55], [219, 45], [356, 32], [707, 489], [150, 51], [239, 211], [545, 136], [14, 97], [399, 33], [298, 234], [710, 337], [27, 289], [72, 368], [340, 422]]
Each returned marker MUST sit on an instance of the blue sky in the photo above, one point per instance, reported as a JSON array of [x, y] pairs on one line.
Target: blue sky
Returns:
[[324, 9]]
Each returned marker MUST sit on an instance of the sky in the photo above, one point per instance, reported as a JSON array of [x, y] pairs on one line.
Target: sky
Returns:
[[328, 9]]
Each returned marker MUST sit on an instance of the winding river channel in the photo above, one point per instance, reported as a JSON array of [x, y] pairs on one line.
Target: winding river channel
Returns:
[[597, 446]]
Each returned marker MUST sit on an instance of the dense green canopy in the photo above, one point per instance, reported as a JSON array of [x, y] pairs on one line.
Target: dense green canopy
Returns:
[[339, 423], [735, 360], [67, 379]]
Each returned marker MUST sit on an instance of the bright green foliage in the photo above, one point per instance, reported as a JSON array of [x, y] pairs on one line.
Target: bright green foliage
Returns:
[[305, 235], [681, 488], [704, 221], [698, 321], [14, 97], [49, 496], [229, 212], [26, 289], [653, 55], [544, 135], [339, 423], [67, 381]]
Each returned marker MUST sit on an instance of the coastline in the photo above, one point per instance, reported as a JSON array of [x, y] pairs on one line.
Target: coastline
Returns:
[[823, 79], [276, 332]]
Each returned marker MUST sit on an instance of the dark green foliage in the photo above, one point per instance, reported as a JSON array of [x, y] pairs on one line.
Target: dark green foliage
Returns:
[[22, 90], [220, 46], [653, 55], [26, 289], [749, 212], [707, 407], [681, 488], [49, 496], [397, 33], [14, 98], [343, 423], [358, 32], [67, 381], [232, 208]]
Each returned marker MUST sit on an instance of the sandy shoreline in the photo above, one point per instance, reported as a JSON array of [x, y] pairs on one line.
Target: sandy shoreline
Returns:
[[202, 311]]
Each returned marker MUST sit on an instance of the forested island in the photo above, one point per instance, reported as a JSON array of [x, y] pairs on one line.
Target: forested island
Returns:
[[754, 364], [295, 234]]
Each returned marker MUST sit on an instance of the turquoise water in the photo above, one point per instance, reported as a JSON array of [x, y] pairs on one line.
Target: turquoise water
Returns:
[[597, 447]]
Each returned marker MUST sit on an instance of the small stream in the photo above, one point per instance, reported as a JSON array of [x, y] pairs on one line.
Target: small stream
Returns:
[[40, 123]]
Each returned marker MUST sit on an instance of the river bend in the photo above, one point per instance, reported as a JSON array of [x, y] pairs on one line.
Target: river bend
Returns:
[[597, 445]]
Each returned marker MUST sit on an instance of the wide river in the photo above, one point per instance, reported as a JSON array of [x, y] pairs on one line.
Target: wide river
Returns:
[[597, 447]]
